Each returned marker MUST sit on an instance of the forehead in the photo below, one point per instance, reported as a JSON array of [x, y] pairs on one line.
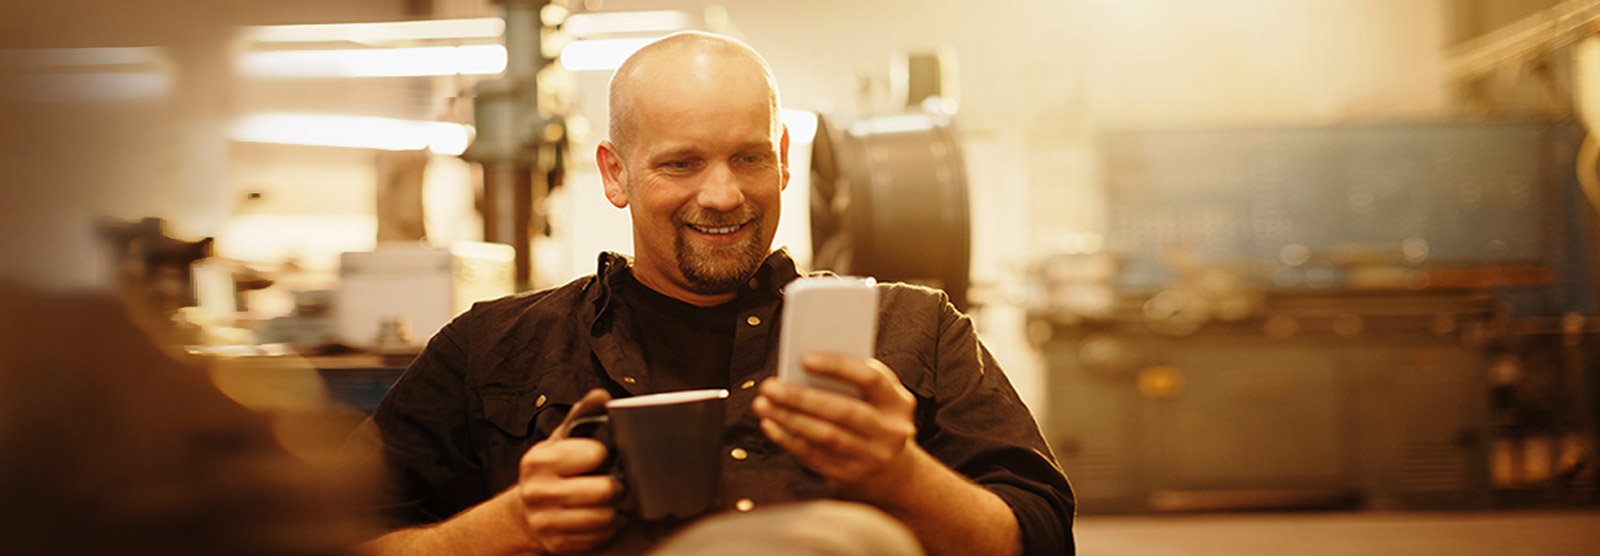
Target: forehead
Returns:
[[687, 116]]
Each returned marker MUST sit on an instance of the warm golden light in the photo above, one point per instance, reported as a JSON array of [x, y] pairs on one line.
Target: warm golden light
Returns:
[[353, 131], [485, 59]]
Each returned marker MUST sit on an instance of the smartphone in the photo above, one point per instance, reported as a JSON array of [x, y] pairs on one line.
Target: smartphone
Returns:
[[830, 314]]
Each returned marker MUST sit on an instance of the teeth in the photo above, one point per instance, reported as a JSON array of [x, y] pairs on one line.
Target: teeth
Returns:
[[722, 230]]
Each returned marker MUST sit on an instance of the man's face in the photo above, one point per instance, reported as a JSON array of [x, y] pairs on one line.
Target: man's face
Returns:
[[702, 177]]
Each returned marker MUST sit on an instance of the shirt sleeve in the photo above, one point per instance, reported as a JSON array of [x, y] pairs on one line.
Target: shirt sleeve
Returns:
[[427, 448], [981, 429]]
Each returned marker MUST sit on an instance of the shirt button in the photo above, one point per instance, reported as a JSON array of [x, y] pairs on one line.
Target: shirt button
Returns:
[[629, 379], [747, 385], [540, 402], [754, 283], [739, 454], [753, 320], [744, 504]]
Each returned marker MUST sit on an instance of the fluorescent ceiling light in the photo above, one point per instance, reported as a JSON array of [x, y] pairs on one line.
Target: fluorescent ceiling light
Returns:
[[71, 87], [83, 74], [353, 131], [802, 125], [606, 23], [36, 59], [600, 54], [483, 27], [484, 59]]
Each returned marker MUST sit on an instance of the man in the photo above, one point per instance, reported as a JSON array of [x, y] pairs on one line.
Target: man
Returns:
[[940, 443]]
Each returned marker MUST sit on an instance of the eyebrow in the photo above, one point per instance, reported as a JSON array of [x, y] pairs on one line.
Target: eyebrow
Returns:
[[691, 150], [674, 153]]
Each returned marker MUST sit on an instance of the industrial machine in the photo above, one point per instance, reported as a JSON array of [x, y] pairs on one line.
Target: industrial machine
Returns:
[[1343, 316], [889, 200]]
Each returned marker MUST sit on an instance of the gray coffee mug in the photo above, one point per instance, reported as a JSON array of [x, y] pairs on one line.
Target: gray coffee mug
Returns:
[[669, 446]]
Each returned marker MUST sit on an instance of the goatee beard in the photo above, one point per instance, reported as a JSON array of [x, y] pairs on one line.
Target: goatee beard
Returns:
[[721, 269]]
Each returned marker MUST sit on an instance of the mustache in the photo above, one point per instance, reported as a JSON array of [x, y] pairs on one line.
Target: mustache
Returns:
[[716, 218]]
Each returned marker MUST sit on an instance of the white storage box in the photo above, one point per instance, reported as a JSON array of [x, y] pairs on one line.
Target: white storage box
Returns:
[[424, 287]]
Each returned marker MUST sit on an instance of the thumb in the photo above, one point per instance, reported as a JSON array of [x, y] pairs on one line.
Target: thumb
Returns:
[[592, 403]]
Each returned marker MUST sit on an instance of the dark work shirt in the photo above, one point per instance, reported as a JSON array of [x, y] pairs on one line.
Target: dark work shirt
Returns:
[[501, 377], [687, 346]]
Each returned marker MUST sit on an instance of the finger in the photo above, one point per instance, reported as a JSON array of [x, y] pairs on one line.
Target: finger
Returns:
[[813, 430], [791, 443], [880, 386], [833, 407], [563, 457], [806, 398], [819, 460], [572, 521], [577, 543], [592, 403], [583, 491]]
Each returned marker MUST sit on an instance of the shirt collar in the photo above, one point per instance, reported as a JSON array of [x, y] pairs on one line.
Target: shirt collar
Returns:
[[775, 272]]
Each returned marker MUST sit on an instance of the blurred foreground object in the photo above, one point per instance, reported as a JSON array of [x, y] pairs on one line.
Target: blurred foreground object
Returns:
[[113, 446]]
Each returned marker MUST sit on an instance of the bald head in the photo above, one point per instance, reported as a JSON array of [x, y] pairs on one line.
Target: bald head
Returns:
[[685, 59], [699, 159]]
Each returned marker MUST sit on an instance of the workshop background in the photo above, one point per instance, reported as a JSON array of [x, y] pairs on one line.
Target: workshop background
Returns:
[[1297, 271]]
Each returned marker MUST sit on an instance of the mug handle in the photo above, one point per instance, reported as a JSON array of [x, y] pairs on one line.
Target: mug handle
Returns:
[[574, 427], [569, 428], [590, 409]]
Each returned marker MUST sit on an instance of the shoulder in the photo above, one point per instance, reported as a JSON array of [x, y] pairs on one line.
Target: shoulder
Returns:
[[503, 314], [575, 299], [899, 300], [899, 297], [532, 299], [915, 325]]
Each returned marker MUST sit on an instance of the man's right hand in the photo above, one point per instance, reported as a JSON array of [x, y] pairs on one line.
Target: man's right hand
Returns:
[[565, 510], [556, 507]]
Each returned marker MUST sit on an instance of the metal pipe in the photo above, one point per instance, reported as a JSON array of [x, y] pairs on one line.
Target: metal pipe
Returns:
[[509, 137]]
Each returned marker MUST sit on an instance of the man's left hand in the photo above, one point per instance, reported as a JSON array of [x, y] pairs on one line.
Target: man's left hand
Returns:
[[863, 446]]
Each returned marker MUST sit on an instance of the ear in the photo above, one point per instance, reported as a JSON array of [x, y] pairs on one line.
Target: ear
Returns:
[[610, 163], [783, 156]]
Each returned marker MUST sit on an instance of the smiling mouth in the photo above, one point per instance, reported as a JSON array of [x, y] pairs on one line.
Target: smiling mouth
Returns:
[[720, 230]]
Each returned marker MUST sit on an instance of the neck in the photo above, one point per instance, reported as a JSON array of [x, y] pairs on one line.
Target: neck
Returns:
[[666, 287]]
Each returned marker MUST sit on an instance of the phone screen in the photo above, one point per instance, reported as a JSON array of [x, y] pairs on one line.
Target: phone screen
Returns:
[[830, 314]]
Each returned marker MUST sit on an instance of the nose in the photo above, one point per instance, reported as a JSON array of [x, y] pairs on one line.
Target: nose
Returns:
[[720, 190]]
